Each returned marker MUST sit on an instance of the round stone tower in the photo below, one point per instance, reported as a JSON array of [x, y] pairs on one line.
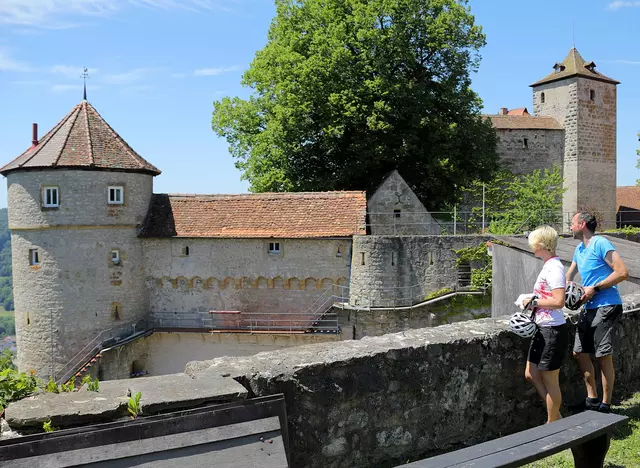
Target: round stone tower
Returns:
[[76, 199]]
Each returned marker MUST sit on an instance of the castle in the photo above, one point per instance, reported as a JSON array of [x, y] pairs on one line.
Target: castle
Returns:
[[96, 251], [574, 126]]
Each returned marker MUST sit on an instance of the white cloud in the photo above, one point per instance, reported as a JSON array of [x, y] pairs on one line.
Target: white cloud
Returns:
[[71, 71], [622, 62], [7, 63], [214, 71], [623, 4], [132, 76], [57, 14]]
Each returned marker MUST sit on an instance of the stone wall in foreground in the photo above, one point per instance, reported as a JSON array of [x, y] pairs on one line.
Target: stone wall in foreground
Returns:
[[378, 402]]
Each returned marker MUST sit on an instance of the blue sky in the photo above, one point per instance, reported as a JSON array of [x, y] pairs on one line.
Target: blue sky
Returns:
[[156, 66]]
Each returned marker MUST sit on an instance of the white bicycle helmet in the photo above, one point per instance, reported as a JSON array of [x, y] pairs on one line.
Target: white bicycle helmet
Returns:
[[572, 294], [522, 325]]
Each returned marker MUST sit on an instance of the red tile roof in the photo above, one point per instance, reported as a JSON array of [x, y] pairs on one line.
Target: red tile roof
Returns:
[[518, 111], [526, 122], [81, 140], [628, 197], [260, 215]]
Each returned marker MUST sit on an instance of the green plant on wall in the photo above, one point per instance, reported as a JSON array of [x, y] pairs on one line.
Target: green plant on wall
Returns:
[[133, 405], [48, 427], [481, 275]]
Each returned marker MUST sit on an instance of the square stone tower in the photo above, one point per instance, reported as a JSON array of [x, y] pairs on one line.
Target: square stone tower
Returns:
[[583, 101]]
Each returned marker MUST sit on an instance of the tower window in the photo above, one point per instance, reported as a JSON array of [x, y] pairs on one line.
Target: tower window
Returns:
[[592, 95], [116, 195], [185, 251], [397, 213], [525, 142], [116, 311], [274, 247], [542, 98], [34, 258], [50, 198], [362, 258], [115, 256]]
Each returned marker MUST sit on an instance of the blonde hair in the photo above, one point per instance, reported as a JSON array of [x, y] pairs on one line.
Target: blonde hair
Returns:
[[544, 237]]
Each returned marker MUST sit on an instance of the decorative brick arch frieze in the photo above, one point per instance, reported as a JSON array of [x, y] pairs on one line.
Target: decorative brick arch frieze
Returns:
[[245, 282]]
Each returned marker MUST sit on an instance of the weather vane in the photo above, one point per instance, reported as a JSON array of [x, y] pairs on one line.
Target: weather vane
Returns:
[[85, 75]]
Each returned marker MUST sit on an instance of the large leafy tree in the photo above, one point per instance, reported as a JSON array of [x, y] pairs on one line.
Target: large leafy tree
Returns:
[[347, 90], [515, 204]]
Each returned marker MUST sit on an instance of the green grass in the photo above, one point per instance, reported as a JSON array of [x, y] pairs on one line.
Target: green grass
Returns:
[[625, 442]]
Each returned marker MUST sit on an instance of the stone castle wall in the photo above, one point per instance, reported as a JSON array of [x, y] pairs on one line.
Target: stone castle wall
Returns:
[[410, 395], [543, 149], [241, 274], [70, 297], [388, 270]]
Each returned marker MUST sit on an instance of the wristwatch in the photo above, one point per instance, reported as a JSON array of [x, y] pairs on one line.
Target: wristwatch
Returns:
[[597, 288], [534, 303]]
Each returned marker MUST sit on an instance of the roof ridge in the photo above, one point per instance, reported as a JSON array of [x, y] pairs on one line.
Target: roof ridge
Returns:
[[142, 163], [91, 158], [263, 194], [66, 138]]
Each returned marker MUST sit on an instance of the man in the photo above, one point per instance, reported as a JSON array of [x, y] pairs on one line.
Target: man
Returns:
[[601, 269]]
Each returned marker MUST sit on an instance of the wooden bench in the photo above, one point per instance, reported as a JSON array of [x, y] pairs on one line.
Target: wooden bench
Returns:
[[587, 434]]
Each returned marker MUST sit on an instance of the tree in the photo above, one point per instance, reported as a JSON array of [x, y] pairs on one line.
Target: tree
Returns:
[[347, 90], [520, 203]]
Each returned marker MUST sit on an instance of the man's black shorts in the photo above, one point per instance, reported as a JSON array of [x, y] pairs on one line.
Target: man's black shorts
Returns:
[[594, 332], [549, 347]]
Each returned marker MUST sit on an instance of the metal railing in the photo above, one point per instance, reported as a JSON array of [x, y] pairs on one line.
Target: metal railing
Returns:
[[104, 339], [252, 322], [474, 222]]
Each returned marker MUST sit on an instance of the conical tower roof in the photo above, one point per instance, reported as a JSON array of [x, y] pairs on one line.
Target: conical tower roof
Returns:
[[81, 140], [574, 65]]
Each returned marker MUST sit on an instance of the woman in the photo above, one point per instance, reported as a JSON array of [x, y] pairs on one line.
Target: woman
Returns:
[[549, 344]]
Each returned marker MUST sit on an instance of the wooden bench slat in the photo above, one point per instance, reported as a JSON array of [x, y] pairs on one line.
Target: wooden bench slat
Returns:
[[541, 448], [600, 422]]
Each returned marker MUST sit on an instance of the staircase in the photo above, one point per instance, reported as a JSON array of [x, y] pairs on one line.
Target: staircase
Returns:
[[88, 356]]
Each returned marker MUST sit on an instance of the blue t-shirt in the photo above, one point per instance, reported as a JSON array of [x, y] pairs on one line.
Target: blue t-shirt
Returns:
[[593, 269]]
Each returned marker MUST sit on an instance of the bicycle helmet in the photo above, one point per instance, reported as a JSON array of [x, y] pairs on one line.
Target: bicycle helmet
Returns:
[[522, 325], [572, 294]]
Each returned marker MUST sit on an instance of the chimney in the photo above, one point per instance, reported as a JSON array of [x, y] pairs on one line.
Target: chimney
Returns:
[[503, 111], [34, 138]]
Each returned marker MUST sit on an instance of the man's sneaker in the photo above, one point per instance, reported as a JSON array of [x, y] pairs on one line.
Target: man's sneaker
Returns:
[[604, 408], [592, 404]]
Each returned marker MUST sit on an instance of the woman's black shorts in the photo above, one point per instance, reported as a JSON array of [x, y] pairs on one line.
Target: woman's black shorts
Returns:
[[549, 347]]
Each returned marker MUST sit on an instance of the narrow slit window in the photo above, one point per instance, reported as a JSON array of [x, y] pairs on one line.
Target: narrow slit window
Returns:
[[542, 98], [185, 251], [50, 197], [116, 195], [34, 257], [362, 259], [525, 142], [592, 95], [274, 247]]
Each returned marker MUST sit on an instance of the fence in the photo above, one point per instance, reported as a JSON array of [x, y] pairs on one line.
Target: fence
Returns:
[[474, 222]]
